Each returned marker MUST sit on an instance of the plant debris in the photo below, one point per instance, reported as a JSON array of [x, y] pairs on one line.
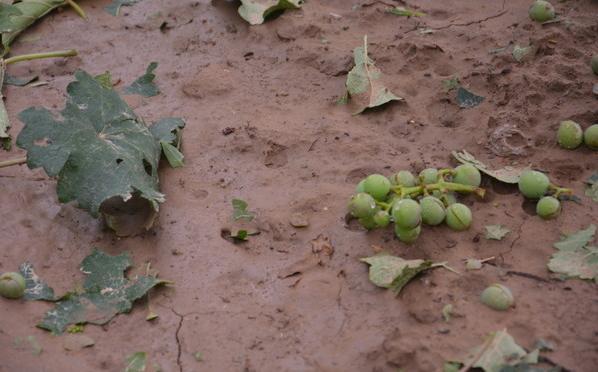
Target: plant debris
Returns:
[[404, 12], [256, 11], [35, 287], [576, 258], [144, 85], [592, 187], [467, 99], [114, 7], [240, 211], [393, 272], [506, 174], [136, 362], [496, 232]]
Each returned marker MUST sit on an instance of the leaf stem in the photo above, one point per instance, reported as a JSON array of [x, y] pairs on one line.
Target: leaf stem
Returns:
[[440, 185], [29, 57], [77, 9], [444, 265], [11, 162]]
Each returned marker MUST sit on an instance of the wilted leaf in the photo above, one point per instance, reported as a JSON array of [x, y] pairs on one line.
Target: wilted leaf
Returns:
[[105, 80], [256, 11], [365, 90], [450, 84], [496, 232], [114, 7], [136, 362], [144, 85], [240, 210], [576, 258], [592, 187], [520, 53], [506, 174], [35, 287], [404, 12], [17, 81], [467, 99], [106, 293], [393, 272]]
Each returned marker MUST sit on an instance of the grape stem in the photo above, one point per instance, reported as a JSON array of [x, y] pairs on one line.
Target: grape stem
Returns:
[[558, 191], [442, 186], [444, 265], [385, 206], [29, 57]]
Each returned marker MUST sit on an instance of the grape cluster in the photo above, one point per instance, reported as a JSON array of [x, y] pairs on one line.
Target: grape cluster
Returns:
[[570, 135], [535, 185], [408, 201]]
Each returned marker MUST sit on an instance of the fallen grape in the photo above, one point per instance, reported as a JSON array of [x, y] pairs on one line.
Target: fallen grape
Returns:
[[377, 186], [362, 205], [458, 217], [467, 174], [12, 285], [569, 135], [381, 218], [406, 213], [432, 210], [428, 176], [404, 178], [533, 184], [497, 297], [368, 222], [590, 136], [407, 235], [548, 207], [541, 11], [360, 187]]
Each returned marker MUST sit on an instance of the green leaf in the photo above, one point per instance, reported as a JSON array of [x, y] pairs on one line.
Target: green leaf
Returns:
[[499, 350], [393, 272], [450, 84], [496, 232], [404, 12], [451, 367], [144, 85], [35, 287], [467, 99], [168, 132], [243, 234], [105, 80], [364, 87], [506, 174], [576, 258], [592, 187], [106, 293], [99, 149], [256, 11], [17, 81], [6, 13], [172, 154], [240, 210], [136, 362], [114, 7]]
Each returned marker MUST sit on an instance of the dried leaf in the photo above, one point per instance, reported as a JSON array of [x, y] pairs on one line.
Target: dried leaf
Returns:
[[240, 210], [520, 53], [506, 174], [144, 85], [393, 272], [136, 362], [364, 85], [256, 11], [404, 12], [35, 287], [496, 232], [576, 258], [467, 99]]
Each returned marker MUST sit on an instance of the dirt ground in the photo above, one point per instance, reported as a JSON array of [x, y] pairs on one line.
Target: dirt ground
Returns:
[[292, 149]]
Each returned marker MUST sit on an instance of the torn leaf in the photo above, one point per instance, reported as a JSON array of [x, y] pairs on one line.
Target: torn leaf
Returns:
[[256, 11], [114, 7], [168, 133], [520, 53], [240, 210], [496, 232], [450, 84], [506, 174], [136, 362], [393, 272], [467, 99], [144, 85], [106, 293], [364, 86], [576, 258], [105, 80], [35, 287]]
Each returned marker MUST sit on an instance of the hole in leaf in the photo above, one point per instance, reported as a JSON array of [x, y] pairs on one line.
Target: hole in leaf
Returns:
[[118, 161], [129, 217], [148, 167], [43, 142]]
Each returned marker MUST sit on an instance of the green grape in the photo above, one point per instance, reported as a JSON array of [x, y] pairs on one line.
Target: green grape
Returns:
[[12, 285], [569, 135], [590, 136], [449, 198], [533, 184], [541, 11], [594, 64], [458, 217], [433, 211], [381, 218], [548, 207], [360, 187], [498, 297], [407, 235], [362, 205], [368, 222], [428, 176], [467, 174], [377, 186], [406, 213], [404, 178]]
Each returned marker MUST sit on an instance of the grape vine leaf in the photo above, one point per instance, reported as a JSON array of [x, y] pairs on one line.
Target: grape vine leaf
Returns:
[[256, 11], [496, 232], [168, 133], [99, 150], [105, 80], [144, 85], [364, 88], [497, 352], [467, 99], [7, 11], [506, 174], [393, 272], [576, 258], [114, 7], [106, 293], [35, 287], [136, 362], [404, 12], [592, 187], [240, 210]]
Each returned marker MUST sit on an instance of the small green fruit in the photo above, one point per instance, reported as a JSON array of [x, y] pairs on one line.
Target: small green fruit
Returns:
[[548, 207], [541, 11], [12, 285], [381, 218], [569, 135], [594, 64], [404, 178], [360, 187], [368, 222], [458, 217], [533, 184], [428, 176], [407, 213], [590, 136], [377, 186], [407, 236], [497, 297], [362, 205], [467, 174], [433, 211]]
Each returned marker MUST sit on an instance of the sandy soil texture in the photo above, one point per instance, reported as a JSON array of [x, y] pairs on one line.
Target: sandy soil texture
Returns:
[[262, 125]]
